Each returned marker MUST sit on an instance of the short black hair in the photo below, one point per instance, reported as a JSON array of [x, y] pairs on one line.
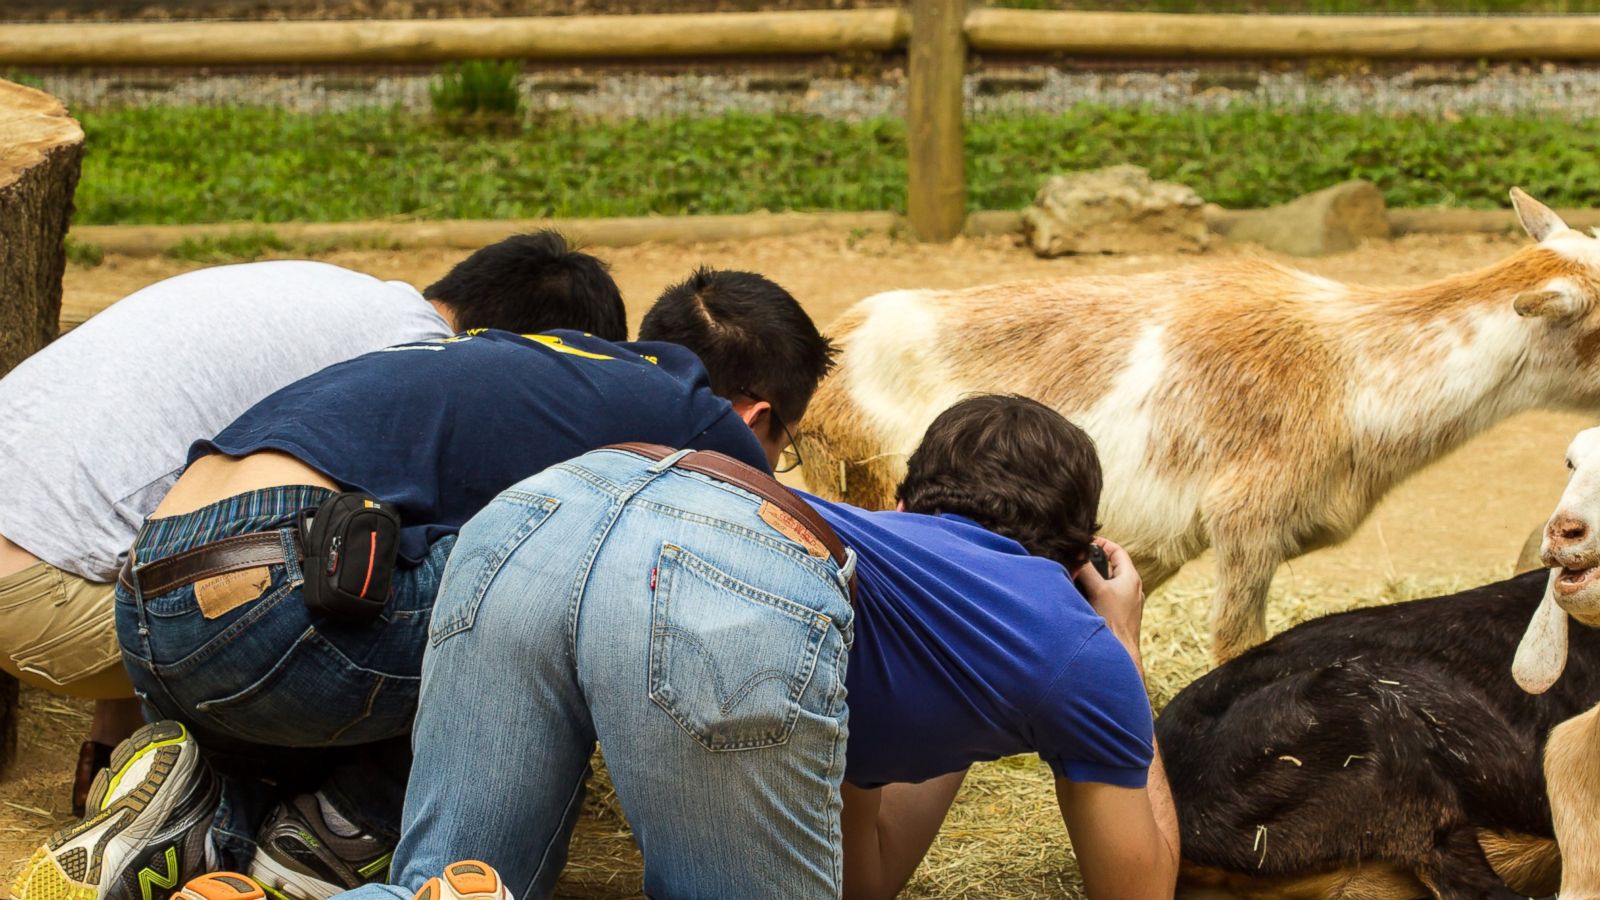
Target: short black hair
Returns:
[[529, 283], [1014, 466], [751, 335]]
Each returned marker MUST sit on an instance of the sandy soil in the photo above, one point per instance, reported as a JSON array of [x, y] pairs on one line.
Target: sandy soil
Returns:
[[1459, 522]]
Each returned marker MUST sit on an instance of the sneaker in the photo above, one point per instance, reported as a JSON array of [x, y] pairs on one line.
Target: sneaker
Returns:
[[298, 857], [465, 880], [221, 886], [149, 812]]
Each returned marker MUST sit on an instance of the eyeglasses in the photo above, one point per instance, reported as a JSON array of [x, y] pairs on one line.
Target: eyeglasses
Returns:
[[789, 459]]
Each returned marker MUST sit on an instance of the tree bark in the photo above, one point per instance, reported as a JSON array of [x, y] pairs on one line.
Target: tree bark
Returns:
[[40, 150]]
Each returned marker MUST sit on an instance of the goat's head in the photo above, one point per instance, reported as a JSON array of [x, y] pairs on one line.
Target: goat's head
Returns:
[[1571, 548], [1558, 294]]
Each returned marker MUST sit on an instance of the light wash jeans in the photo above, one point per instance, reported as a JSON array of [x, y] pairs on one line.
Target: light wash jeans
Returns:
[[614, 598]]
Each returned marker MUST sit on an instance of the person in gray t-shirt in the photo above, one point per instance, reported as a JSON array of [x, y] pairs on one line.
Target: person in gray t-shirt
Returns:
[[98, 424]]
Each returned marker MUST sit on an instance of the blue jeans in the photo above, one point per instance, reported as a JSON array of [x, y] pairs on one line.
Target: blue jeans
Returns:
[[281, 700], [614, 598]]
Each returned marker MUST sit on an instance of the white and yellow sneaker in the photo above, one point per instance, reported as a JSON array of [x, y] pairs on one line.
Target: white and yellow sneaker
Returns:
[[145, 833]]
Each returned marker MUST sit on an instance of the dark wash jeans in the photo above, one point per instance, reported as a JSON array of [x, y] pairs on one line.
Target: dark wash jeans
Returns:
[[281, 700]]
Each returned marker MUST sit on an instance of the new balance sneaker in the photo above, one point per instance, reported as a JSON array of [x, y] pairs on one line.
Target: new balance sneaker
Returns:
[[465, 880], [221, 886], [300, 857], [149, 812]]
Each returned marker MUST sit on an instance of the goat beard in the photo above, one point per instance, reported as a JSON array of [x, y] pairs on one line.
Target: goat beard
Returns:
[[1542, 655]]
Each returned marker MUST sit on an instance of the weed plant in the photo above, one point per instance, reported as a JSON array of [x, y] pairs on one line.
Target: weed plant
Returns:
[[477, 87]]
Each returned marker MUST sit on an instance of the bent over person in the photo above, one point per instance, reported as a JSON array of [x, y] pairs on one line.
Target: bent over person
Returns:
[[98, 422], [303, 705], [696, 619]]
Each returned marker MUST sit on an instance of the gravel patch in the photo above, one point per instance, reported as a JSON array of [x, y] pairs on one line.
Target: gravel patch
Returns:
[[1033, 90]]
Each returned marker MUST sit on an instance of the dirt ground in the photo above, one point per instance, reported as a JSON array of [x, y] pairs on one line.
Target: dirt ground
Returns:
[[1459, 522]]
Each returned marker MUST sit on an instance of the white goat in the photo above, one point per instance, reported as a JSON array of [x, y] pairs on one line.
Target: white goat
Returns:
[[1571, 548], [1239, 404]]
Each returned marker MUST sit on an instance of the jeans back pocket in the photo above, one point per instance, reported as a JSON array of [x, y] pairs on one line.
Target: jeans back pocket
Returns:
[[729, 662]]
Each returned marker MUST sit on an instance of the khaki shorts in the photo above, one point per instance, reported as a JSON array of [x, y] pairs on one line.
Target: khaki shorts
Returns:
[[58, 631]]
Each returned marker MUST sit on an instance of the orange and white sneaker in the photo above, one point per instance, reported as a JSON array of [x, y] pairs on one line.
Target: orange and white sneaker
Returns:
[[221, 886], [465, 880]]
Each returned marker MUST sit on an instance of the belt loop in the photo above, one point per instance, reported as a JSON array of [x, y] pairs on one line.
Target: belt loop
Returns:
[[667, 462]]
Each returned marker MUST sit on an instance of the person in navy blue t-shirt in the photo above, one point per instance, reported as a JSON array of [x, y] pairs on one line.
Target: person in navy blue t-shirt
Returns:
[[211, 614], [703, 636]]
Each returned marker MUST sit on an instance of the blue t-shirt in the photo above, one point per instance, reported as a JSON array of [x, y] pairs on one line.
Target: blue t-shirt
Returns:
[[438, 428], [968, 649]]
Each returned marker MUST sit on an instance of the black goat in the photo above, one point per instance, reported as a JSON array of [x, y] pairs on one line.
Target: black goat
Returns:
[[1380, 753]]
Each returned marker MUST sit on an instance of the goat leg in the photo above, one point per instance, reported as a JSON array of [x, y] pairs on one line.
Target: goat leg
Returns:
[[1458, 870], [1245, 566]]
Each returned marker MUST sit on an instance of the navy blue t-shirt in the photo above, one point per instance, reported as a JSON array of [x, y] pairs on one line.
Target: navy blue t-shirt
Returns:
[[968, 649], [438, 428]]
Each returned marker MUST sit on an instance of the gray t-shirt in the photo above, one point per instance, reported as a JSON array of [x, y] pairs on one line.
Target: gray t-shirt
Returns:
[[94, 429]]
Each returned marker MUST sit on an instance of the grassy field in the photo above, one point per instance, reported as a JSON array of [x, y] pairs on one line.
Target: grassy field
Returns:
[[179, 165]]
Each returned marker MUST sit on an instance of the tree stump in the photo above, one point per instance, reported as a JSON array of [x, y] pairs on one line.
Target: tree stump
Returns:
[[40, 149]]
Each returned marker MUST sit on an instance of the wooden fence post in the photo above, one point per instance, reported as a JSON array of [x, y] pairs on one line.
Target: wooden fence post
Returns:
[[40, 148], [936, 198]]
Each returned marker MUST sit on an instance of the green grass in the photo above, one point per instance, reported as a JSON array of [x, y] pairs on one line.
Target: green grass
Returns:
[[249, 245], [477, 87], [83, 253], [266, 165]]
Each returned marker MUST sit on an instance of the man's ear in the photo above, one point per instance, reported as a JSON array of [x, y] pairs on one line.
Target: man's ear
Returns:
[[757, 414]]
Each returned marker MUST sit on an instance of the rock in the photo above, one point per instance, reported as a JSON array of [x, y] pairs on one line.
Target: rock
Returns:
[[1114, 210], [1331, 220]]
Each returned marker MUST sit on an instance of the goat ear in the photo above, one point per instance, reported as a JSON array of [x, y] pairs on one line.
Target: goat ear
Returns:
[[1546, 304], [1543, 652], [1538, 220]]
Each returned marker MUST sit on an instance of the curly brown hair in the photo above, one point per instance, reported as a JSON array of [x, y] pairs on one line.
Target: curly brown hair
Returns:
[[1014, 466]]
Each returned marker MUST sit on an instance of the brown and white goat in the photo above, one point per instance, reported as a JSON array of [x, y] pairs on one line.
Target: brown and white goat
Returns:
[[1240, 404], [1571, 547]]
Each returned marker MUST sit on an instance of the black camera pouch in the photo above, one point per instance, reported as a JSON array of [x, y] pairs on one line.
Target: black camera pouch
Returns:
[[350, 544]]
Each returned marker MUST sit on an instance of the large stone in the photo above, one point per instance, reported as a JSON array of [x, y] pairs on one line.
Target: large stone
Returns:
[[1331, 220], [1114, 210]]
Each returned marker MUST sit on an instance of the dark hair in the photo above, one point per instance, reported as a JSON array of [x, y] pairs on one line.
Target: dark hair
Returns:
[[750, 333], [1014, 466], [529, 283]]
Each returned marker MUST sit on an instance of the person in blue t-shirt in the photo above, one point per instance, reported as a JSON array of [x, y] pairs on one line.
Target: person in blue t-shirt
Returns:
[[700, 633], [212, 613], [981, 631]]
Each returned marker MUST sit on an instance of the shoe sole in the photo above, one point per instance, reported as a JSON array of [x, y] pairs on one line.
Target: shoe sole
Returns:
[[470, 879], [59, 872], [221, 886], [283, 883]]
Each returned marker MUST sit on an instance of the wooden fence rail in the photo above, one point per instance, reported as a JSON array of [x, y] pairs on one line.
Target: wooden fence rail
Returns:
[[440, 40], [1279, 37], [940, 34]]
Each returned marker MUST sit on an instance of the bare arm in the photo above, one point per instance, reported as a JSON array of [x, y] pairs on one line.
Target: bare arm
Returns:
[[1126, 839], [888, 830]]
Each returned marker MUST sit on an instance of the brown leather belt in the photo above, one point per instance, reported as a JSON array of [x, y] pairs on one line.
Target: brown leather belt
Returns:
[[265, 548], [246, 551], [731, 471]]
